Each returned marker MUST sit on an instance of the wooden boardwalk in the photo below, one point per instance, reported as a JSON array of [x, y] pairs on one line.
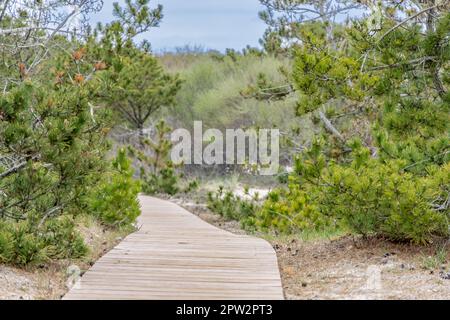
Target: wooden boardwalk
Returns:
[[176, 255]]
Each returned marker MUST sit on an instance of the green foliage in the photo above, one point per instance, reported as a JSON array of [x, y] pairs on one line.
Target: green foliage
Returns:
[[192, 186], [140, 88], [65, 241], [118, 39], [285, 20], [133, 83], [21, 244], [391, 81], [211, 86], [54, 125], [115, 201], [230, 206], [165, 181], [322, 74], [436, 261], [264, 90], [56, 146], [398, 72], [136, 17], [157, 172], [366, 197]]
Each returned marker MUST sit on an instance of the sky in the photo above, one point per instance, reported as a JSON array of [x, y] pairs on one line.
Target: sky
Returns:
[[211, 24]]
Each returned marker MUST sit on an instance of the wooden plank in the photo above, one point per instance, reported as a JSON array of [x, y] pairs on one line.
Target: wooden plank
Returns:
[[176, 256]]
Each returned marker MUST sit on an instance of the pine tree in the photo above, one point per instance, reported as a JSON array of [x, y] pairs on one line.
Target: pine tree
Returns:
[[383, 95], [285, 19], [53, 123], [142, 88], [157, 172], [394, 74]]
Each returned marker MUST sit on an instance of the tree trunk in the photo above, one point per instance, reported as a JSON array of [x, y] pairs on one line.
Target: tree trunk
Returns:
[[141, 136]]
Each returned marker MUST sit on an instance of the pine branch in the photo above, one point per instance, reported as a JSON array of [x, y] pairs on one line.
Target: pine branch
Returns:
[[406, 20]]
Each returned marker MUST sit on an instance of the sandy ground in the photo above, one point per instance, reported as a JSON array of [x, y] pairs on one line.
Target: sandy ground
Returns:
[[348, 268], [359, 269], [17, 284], [51, 281]]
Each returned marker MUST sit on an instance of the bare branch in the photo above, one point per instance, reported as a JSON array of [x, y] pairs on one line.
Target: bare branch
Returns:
[[16, 168], [48, 214], [329, 126], [13, 170], [5, 6], [404, 63], [406, 20]]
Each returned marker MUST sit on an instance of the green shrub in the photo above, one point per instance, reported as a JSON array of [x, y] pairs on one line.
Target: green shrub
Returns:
[[115, 200], [290, 211], [58, 157], [21, 244], [369, 197], [30, 242], [192, 186], [231, 206], [157, 172], [165, 181], [6, 245], [380, 199], [64, 240]]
